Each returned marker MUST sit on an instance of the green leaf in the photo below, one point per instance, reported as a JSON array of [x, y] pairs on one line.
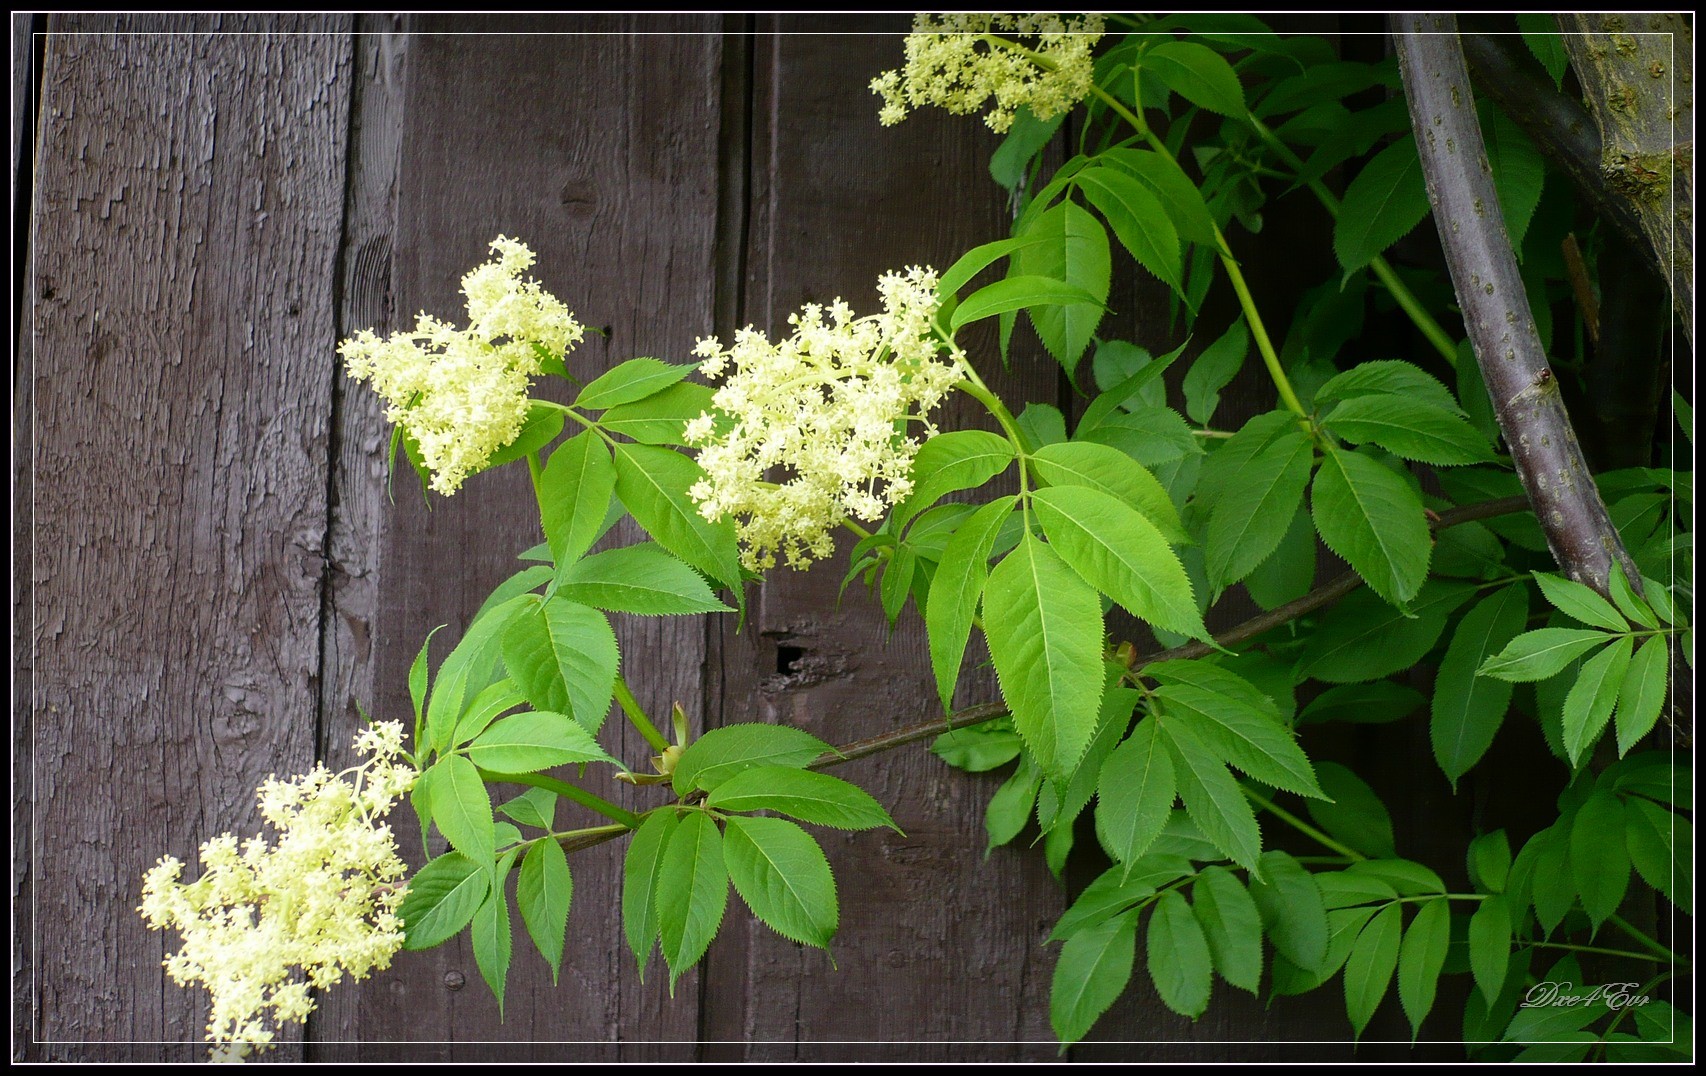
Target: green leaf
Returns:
[[1044, 628], [574, 495], [1642, 696], [1580, 603], [1344, 926], [460, 807], [1468, 709], [1238, 451], [1367, 704], [1179, 196], [1218, 364], [1373, 519], [955, 590], [485, 708], [662, 418], [443, 897], [490, 934], [1406, 876], [1542, 654], [961, 459], [1629, 603], [418, 682], [1256, 509], [528, 743], [1382, 204], [692, 891], [722, 753], [1198, 74], [564, 658], [1114, 473], [1149, 435], [1289, 571], [1588, 706], [1178, 956], [1344, 890], [1008, 165], [1250, 738], [811, 797], [1117, 889], [530, 578], [1290, 903], [1231, 925], [1212, 797], [784, 878], [1075, 250], [1410, 428], [1118, 552], [542, 425], [639, 579], [1540, 33], [633, 380], [1095, 965], [1490, 860], [1041, 424], [1599, 858], [1421, 957], [468, 669], [1363, 638], [543, 890], [1368, 969], [1134, 793], [978, 748], [1519, 172], [1010, 807], [1490, 944], [1554, 889], [1652, 837], [640, 872], [536, 807], [653, 483], [1137, 218], [1352, 812], [1028, 292]]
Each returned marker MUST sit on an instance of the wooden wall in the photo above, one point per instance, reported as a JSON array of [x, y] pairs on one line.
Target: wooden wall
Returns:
[[209, 573]]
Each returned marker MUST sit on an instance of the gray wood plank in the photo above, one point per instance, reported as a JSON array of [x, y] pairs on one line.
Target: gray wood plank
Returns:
[[186, 219], [937, 945], [605, 162]]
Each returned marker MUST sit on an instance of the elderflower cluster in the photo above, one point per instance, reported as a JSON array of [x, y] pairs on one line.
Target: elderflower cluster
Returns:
[[830, 404], [951, 61], [323, 899], [462, 393]]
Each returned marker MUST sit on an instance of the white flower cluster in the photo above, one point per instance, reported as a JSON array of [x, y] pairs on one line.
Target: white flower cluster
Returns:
[[462, 393], [323, 899], [950, 62], [830, 403]]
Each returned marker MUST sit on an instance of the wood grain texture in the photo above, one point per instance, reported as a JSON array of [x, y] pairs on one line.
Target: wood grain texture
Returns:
[[939, 949], [598, 148], [186, 218]]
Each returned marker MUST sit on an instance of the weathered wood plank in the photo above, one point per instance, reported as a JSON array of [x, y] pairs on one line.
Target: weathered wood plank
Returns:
[[597, 147], [937, 945], [186, 217]]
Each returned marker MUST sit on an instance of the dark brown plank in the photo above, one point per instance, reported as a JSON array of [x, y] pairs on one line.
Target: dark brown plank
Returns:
[[186, 216], [605, 162], [937, 946]]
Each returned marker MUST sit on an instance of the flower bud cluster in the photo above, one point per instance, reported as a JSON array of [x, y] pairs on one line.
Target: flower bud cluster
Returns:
[[462, 393], [831, 406], [951, 62], [322, 900]]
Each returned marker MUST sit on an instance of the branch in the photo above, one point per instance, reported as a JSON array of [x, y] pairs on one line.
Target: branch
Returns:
[[1489, 288], [1322, 595], [1637, 73]]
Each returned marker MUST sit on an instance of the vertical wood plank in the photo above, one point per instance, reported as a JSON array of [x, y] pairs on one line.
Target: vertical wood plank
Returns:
[[937, 945], [186, 218], [598, 146]]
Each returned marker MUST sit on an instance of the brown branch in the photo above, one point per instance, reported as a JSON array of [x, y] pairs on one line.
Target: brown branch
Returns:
[[1525, 395]]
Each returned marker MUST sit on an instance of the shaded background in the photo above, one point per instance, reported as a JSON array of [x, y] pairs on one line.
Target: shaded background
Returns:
[[209, 573]]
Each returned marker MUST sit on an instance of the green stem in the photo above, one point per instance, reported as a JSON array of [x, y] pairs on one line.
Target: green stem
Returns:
[[1592, 949], [637, 715], [620, 815], [580, 418], [1300, 825], [569, 835], [1630, 929], [856, 529], [974, 387], [1382, 269], [536, 472]]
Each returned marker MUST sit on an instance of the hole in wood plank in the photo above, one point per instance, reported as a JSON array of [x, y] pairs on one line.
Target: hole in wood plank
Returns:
[[787, 658]]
